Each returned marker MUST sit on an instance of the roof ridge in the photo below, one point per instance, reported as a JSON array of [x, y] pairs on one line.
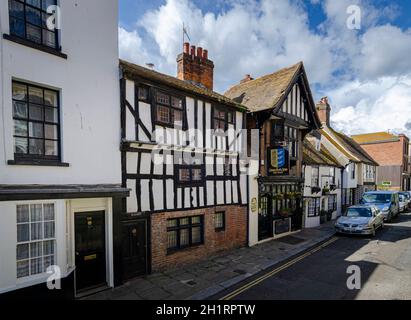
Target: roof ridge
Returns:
[[263, 77]]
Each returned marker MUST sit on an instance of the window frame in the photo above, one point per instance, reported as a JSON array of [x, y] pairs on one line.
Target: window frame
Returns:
[[26, 22], [54, 239], [191, 168], [190, 227], [155, 104], [334, 202], [292, 141], [223, 227], [316, 207], [27, 157], [221, 109], [315, 177]]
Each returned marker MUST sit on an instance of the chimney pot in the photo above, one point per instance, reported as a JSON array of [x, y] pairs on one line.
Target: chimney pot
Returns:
[[187, 48], [247, 78], [200, 52], [195, 67]]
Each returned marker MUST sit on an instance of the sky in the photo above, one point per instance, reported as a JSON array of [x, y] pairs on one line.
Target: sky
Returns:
[[356, 52]]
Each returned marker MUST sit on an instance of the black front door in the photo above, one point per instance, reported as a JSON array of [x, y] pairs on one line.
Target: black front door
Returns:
[[265, 218], [90, 250], [134, 249]]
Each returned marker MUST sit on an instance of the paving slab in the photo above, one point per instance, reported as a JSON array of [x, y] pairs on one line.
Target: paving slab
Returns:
[[206, 278]]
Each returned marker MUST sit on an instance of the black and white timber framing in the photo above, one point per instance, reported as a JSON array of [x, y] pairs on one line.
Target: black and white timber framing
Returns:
[[154, 184]]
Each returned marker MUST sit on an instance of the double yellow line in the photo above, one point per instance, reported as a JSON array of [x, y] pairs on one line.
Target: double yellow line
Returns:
[[257, 281]]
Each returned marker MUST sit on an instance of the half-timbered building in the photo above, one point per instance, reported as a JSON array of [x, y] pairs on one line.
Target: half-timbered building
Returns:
[[281, 107], [181, 145]]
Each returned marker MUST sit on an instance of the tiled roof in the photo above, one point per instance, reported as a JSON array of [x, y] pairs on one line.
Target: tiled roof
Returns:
[[265, 92], [311, 156], [131, 70], [349, 147], [375, 137]]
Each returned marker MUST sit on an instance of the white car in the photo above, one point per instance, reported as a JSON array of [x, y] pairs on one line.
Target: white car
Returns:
[[403, 203]]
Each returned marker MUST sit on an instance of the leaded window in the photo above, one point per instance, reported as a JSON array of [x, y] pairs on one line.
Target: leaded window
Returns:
[[185, 232], [169, 110]]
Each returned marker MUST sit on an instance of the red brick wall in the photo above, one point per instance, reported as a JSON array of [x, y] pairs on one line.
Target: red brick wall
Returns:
[[234, 236], [196, 69]]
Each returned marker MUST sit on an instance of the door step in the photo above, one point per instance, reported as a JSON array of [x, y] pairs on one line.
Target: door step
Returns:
[[90, 291]]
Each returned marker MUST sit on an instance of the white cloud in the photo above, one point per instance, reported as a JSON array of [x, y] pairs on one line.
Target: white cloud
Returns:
[[366, 73], [379, 105]]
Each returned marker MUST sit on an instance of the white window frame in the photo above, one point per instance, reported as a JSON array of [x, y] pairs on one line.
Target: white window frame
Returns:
[[41, 276]]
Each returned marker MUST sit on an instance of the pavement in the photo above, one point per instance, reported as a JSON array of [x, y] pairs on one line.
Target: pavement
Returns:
[[208, 278], [384, 265]]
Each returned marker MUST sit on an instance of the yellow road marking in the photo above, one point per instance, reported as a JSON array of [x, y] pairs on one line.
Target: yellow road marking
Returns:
[[275, 271]]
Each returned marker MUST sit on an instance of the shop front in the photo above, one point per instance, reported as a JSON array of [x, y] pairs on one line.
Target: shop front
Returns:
[[281, 209]]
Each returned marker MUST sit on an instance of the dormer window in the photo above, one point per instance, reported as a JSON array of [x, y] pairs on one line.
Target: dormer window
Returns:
[[28, 20]]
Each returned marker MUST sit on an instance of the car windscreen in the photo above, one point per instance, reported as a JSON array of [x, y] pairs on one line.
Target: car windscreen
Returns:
[[358, 212], [377, 198]]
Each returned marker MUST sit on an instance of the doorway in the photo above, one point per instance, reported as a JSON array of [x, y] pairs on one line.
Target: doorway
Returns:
[[134, 248], [90, 250]]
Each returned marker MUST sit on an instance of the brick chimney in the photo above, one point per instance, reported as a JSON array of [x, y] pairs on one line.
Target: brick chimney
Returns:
[[247, 78], [324, 111], [195, 67]]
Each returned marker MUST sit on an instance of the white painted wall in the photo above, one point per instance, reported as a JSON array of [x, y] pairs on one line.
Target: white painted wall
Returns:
[[65, 240], [89, 87], [312, 222]]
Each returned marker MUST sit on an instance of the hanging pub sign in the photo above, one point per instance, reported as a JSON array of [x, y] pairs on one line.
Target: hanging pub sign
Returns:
[[278, 161]]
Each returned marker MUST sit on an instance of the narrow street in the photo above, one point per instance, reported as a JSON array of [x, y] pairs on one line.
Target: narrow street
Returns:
[[385, 264]]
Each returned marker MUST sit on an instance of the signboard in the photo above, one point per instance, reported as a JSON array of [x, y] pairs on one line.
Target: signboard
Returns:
[[254, 205], [278, 161], [386, 183]]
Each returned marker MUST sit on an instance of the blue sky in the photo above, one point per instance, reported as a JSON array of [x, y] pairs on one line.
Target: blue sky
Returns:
[[360, 70]]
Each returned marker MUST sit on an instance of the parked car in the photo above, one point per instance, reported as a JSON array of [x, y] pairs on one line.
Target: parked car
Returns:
[[388, 202], [361, 219], [403, 202], [407, 196]]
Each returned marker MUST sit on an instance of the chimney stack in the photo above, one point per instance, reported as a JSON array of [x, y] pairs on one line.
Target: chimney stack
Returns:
[[195, 67], [324, 111], [247, 78]]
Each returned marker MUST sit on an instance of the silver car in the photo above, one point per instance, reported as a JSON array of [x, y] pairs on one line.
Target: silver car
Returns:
[[361, 219]]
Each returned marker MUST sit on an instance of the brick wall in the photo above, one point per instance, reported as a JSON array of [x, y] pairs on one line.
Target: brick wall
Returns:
[[386, 154], [234, 236]]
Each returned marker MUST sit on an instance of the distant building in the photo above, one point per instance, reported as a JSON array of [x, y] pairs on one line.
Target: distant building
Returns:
[[359, 175], [392, 152]]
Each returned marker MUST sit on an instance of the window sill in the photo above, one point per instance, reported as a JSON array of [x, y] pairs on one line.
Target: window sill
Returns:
[[34, 45], [38, 163]]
